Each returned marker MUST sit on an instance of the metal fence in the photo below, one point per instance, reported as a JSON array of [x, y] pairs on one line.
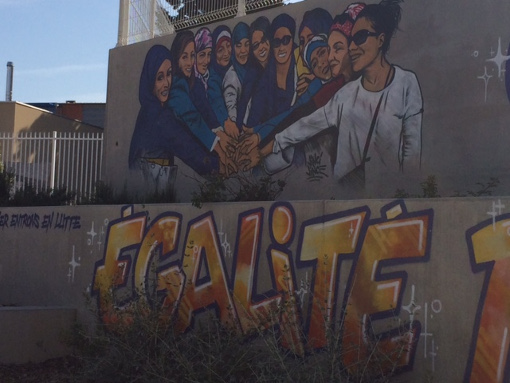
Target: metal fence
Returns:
[[141, 20], [54, 160]]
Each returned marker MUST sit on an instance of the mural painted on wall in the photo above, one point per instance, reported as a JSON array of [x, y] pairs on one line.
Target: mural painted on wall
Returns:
[[196, 277], [321, 97]]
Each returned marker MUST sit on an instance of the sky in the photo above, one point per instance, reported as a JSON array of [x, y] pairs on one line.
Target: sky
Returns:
[[59, 48]]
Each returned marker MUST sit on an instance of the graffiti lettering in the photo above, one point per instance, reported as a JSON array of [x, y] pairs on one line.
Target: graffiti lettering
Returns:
[[20, 221], [57, 221], [4, 220], [374, 295], [324, 243], [47, 221], [488, 245], [67, 222], [199, 280]]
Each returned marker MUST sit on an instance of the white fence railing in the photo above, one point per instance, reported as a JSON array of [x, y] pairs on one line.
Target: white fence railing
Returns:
[[141, 20], [54, 160]]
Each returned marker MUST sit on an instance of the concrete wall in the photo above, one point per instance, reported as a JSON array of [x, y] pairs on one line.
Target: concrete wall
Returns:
[[439, 265], [458, 51]]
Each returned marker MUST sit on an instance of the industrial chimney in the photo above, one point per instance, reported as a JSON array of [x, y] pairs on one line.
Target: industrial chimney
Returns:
[[8, 83]]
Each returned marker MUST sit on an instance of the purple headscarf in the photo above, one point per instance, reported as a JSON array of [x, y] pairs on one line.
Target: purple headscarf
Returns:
[[203, 40]]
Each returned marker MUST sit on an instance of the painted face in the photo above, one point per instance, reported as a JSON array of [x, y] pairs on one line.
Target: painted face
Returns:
[[242, 50], [260, 46], [282, 45], [365, 45], [304, 37], [203, 60], [223, 53], [187, 59], [163, 81], [339, 59], [319, 63]]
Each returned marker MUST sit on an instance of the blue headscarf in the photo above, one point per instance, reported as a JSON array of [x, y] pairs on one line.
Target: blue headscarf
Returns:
[[241, 31], [318, 20], [316, 42], [221, 32], [153, 60]]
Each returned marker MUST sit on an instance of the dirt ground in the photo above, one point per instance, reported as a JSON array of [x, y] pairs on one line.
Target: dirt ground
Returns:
[[52, 371]]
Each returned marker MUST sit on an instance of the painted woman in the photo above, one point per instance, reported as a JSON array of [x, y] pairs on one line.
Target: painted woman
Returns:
[[235, 76], [193, 113], [260, 53], [158, 135], [220, 63], [315, 22], [276, 92]]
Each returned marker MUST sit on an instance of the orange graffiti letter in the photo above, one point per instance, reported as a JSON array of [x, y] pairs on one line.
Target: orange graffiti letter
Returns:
[[374, 295], [324, 243], [489, 245], [205, 277], [112, 270]]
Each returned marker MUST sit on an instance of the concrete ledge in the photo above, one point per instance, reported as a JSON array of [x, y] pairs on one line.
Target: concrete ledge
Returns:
[[33, 333]]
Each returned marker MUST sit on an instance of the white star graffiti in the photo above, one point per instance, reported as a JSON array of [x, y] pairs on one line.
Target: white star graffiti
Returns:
[[499, 59], [485, 77], [73, 264]]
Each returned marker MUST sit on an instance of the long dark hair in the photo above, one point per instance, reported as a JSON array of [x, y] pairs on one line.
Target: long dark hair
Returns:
[[263, 25], [182, 39], [385, 18]]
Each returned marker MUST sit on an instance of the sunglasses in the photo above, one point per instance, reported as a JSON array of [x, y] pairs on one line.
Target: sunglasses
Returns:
[[283, 41], [257, 44], [361, 37]]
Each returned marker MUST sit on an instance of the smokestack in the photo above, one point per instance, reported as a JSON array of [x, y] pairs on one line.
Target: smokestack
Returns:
[[8, 83]]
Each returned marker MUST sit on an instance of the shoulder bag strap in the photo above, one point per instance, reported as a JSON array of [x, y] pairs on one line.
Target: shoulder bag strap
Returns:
[[371, 131]]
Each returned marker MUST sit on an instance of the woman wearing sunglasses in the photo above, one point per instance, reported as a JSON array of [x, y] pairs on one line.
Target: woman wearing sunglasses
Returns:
[[259, 58], [276, 92], [378, 115]]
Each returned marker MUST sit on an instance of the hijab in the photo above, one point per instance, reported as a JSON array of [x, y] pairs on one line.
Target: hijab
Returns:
[[203, 40], [220, 34], [153, 60], [240, 32]]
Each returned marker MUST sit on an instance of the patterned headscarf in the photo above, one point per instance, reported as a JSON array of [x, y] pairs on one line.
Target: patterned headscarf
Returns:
[[203, 40], [345, 22], [313, 44]]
